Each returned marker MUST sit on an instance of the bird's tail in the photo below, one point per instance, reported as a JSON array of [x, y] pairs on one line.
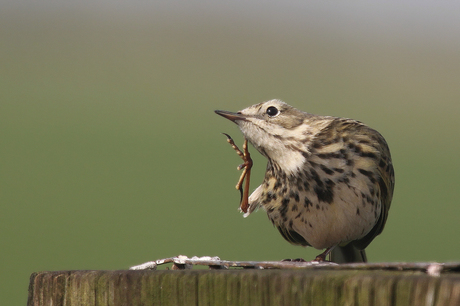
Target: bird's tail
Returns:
[[347, 254]]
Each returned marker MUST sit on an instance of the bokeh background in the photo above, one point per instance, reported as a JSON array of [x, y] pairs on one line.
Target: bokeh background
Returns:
[[111, 154]]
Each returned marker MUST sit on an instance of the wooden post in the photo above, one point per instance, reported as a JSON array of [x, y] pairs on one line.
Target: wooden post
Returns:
[[244, 287]]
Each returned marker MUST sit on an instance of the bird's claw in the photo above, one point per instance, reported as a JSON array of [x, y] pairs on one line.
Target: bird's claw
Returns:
[[294, 260], [246, 174]]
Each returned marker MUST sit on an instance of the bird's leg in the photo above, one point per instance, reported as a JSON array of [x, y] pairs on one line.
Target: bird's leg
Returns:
[[246, 174], [322, 257], [246, 166]]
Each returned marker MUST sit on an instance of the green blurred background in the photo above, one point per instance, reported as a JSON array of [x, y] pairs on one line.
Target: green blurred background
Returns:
[[111, 154]]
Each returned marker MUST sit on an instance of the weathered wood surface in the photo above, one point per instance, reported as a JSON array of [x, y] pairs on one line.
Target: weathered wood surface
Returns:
[[244, 287]]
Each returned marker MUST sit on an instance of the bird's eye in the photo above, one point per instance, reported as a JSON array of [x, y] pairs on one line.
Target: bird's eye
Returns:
[[272, 111]]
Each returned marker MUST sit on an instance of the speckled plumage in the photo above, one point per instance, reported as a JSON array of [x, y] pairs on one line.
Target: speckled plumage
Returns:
[[329, 181]]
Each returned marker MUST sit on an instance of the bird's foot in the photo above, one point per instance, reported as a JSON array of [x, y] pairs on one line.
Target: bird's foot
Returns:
[[295, 260], [322, 257], [246, 174]]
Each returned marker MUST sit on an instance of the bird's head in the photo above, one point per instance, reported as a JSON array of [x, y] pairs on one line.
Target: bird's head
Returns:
[[276, 129]]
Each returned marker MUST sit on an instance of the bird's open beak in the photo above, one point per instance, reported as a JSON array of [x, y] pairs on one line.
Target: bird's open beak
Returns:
[[231, 116]]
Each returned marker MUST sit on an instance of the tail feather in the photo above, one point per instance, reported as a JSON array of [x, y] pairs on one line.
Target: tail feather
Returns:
[[347, 254]]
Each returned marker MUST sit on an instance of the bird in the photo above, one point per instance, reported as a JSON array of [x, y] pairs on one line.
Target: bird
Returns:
[[329, 181]]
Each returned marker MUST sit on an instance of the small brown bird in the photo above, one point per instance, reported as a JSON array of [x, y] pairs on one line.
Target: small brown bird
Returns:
[[329, 181]]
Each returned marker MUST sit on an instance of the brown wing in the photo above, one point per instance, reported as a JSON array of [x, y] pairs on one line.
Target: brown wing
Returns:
[[386, 182]]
